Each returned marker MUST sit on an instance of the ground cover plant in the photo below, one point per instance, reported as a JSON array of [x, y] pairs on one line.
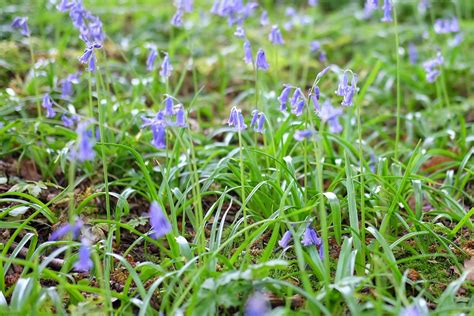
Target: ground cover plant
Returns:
[[236, 157]]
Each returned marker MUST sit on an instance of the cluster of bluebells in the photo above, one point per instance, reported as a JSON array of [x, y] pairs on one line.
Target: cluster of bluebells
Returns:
[[90, 29], [21, 23], [89, 25], [182, 6], [48, 106], [84, 262], [236, 11], [445, 26], [260, 60], [275, 36], [258, 121], [236, 119], [433, 67], [345, 90], [310, 238], [161, 121], [166, 67], [292, 18], [373, 5]]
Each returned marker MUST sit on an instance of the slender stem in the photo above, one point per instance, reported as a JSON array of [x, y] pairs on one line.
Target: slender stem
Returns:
[[242, 184], [33, 64], [362, 184], [399, 96]]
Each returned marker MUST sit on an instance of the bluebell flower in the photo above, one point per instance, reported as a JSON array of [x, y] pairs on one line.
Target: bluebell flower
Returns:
[[433, 67], [261, 62], [298, 109], [240, 125], [315, 99], [412, 54], [330, 114], [166, 68], [301, 135], [180, 117], [423, 6], [264, 18], [342, 86], [322, 56], [387, 11], [84, 261], [21, 23], [169, 104], [322, 72], [370, 6], [321, 251], [233, 117], [48, 105], [257, 305], [239, 32], [68, 121], [177, 19], [445, 26], [90, 57], [315, 46], [310, 237], [66, 229], [312, 3], [186, 5], [275, 36], [159, 136], [283, 98], [150, 62], [158, 221], [248, 58], [285, 239], [85, 143], [260, 123], [254, 118], [65, 5], [348, 97], [296, 95], [66, 85]]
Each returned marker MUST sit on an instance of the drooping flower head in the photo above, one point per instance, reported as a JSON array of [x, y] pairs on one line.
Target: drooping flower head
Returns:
[[254, 119], [248, 58], [387, 11], [433, 67], [370, 6], [285, 239], [48, 105], [169, 104], [261, 61], [69, 121], [299, 107], [89, 56], [166, 68], [84, 262], [260, 123], [66, 229], [150, 62], [158, 221], [239, 32], [85, 143], [275, 36], [330, 114], [257, 305], [310, 237], [177, 19], [21, 23], [412, 53], [283, 98], [301, 135], [180, 117], [236, 119], [264, 18], [67, 83]]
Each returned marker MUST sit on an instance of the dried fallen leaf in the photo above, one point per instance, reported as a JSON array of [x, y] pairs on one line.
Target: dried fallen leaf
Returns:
[[469, 267]]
